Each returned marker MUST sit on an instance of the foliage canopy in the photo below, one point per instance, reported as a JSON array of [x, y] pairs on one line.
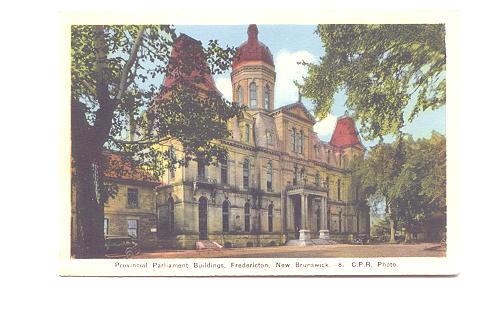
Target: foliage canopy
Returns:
[[381, 68]]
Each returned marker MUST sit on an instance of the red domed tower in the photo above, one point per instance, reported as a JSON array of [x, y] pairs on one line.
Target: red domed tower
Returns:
[[253, 73]]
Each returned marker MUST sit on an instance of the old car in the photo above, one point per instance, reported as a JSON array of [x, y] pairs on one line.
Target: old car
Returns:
[[121, 245]]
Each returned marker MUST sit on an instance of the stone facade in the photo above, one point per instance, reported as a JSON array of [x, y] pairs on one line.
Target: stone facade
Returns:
[[280, 181], [132, 212]]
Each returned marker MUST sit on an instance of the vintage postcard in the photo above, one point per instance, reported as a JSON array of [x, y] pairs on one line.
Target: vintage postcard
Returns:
[[313, 146]]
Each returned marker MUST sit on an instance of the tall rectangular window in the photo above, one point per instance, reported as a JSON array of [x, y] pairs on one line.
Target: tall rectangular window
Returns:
[[301, 143], [246, 174], [293, 139], [252, 95], [132, 198], [224, 172], [201, 169], [106, 226], [269, 177], [133, 228], [339, 189], [246, 133]]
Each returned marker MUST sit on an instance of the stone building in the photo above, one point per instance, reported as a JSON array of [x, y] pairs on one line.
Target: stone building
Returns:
[[280, 181], [132, 211]]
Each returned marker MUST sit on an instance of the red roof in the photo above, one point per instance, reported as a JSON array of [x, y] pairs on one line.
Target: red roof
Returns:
[[120, 167], [253, 49], [188, 66], [345, 134]]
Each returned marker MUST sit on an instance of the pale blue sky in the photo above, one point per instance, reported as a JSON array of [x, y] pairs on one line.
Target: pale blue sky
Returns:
[[289, 44]]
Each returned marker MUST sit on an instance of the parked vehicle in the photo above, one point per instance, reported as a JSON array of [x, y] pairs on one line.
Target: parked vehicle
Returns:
[[126, 246], [361, 239]]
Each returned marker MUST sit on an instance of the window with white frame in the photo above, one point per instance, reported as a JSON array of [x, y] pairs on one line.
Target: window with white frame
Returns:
[[132, 198], [106, 226], [133, 228]]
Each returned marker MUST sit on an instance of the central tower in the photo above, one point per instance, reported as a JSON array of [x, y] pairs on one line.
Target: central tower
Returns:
[[253, 74]]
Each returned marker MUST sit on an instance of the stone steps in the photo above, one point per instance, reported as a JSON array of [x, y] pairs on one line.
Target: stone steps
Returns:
[[207, 244], [310, 242]]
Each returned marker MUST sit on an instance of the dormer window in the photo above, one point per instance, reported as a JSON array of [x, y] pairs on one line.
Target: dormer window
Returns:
[[269, 138], [246, 133], [239, 95], [252, 95], [266, 95]]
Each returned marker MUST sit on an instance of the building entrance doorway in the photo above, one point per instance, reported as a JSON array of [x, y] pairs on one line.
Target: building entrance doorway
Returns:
[[202, 218], [296, 202]]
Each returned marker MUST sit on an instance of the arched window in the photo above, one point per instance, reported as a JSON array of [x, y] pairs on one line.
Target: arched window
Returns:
[[293, 139], [270, 217], [225, 216], [266, 95], [294, 180], [246, 132], [269, 177], [252, 95], [224, 171], [239, 96], [339, 188], [247, 217], [317, 179], [170, 214], [246, 174], [301, 176]]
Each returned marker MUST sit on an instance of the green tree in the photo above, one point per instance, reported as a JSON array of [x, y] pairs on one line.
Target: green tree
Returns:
[[110, 92], [381, 68], [408, 177]]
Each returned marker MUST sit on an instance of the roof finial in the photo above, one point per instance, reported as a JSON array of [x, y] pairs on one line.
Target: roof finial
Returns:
[[252, 32], [299, 95], [346, 113]]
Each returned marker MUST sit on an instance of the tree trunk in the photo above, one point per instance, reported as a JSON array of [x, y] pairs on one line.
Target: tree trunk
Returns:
[[89, 241], [392, 225]]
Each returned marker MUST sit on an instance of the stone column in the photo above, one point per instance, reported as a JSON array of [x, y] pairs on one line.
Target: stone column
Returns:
[[324, 224], [324, 233], [304, 211]]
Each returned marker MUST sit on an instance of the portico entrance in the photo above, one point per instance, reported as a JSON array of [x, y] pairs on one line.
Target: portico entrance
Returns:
[[306, 212]]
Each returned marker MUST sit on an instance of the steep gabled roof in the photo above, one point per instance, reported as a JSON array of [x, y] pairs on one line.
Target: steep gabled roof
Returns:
[[188, 66], [295, 105], [345, 133]]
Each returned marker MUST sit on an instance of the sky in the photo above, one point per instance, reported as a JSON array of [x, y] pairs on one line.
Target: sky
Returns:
[[290, 44]]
